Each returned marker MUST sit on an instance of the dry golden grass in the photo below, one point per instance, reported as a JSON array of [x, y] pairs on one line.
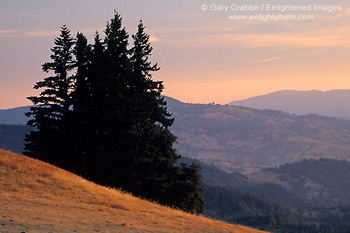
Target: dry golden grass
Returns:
[[38, 197]]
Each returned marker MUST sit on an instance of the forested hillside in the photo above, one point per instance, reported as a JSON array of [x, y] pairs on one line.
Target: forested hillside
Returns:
[[216, 177], [325, 180], [275, 207]]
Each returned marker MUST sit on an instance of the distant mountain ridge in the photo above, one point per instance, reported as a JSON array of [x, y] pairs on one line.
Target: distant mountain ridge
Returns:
[[329, 103], [14, 116]]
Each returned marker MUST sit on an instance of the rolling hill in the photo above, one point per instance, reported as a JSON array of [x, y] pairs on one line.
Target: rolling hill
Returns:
[[12, 137], [215, 177], [325, 180], [38, 197], [247, 140], [14, 116], [329, 103]]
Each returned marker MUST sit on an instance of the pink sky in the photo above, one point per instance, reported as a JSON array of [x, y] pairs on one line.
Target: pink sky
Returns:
[[204, 56]]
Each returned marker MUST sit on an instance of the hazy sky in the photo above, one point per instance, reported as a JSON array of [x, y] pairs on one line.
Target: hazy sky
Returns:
[[205, 53]]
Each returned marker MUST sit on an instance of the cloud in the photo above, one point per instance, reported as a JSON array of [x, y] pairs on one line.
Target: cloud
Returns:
[[153, 39], [28, 33], [7, 32], [267, 60]]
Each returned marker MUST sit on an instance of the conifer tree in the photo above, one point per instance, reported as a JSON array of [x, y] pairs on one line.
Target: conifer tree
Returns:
[[81, 95], [111, 79], [52, 106], [186, 192], [152, 153], [81, 99], [155, 174], [98, 82], [143, 88], [117, 72]]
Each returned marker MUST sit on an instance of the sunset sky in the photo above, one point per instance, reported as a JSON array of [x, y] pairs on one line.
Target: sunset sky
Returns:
[[204, 55]]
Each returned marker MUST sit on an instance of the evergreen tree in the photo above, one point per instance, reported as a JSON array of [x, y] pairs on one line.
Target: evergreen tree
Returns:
[[97, 81], [90, 105], [81, 99], [110, 102], [82, 96], [148, 120], [49, 141], [186, 192], [118, 71], [154, 172], [149, 103]]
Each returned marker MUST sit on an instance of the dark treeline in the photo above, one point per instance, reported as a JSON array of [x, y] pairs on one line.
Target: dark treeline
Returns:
[[259, 212], [100, 114]]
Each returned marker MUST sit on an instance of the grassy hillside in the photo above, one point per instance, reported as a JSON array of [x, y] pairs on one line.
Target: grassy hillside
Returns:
[[38, 197]]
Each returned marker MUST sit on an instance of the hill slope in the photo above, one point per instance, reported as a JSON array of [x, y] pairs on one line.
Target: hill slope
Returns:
[[246, 140], [328, 103], [14, 115], [38, 197], [12, 137], [325, 180]]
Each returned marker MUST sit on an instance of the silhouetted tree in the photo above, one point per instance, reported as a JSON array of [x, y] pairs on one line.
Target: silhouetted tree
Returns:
[[154, 172], [52, 114], [186, 192], [81, 99], [99, 92]]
